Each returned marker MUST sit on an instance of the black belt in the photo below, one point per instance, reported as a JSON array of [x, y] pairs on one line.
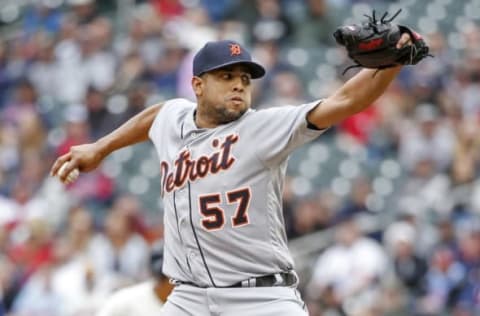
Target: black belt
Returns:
[[276, 279]]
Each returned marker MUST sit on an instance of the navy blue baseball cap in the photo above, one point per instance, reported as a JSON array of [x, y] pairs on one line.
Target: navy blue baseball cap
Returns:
[[219, 54]]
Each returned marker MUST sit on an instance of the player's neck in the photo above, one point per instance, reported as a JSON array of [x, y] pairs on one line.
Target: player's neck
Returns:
[[203, 121]]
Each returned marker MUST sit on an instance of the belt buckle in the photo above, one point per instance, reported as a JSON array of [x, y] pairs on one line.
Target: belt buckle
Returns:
[[279, 280]]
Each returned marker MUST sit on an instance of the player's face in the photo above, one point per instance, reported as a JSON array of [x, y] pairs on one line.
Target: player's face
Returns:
[[224, 94]]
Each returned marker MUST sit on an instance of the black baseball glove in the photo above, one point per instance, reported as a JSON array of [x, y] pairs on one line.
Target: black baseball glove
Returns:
[[372, 44]]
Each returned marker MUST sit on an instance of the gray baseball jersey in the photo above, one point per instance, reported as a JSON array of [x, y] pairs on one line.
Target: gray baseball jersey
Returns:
[[222, 191]]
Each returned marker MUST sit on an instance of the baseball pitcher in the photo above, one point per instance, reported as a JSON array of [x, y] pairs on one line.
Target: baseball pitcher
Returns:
[[223, 166]]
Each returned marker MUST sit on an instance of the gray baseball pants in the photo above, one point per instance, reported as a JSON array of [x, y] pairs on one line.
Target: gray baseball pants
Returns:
[[242, 301]]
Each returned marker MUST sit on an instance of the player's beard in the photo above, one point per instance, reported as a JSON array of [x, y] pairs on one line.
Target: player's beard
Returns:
[[225, 115]]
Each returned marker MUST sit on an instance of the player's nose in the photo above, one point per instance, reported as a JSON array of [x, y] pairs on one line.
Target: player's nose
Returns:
[[238, 84]]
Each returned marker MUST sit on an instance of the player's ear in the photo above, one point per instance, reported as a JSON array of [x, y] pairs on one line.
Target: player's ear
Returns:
[[197, 85]]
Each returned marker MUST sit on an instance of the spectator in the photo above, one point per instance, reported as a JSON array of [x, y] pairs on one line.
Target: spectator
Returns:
[[431, 140], [265, 19], [98, 62], [42, 16], [24, 103], [100, 120], [85, 11], [24, 204], [356, 203], [80, 287], [76, 243], [131, 70], [96, 188], [43, 72], [446, 234], [121, 252], [348, 270], [137, 99], [309, 215], [218, 10], [69, 89], [314, 26], [164, 73], [76, 127], [34, 251], [445, 279], [38, 297], [145, 298], [168, 9], [410, 268], [286, 89], [271, 23]]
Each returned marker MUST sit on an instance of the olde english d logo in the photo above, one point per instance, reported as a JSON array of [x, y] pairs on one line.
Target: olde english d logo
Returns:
[[186, 168], [235, 49]]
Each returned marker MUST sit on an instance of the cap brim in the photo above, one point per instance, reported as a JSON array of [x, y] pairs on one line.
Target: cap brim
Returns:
[[255, 70]]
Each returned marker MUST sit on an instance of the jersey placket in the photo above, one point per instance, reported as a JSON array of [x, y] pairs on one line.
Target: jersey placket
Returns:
[[195, 253], [182, 205]]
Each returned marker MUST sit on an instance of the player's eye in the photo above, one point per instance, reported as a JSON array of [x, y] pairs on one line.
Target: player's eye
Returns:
[[226, 76], [246, 79]]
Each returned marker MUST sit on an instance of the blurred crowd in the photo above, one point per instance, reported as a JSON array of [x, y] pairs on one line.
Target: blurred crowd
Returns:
[[72, 71]]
